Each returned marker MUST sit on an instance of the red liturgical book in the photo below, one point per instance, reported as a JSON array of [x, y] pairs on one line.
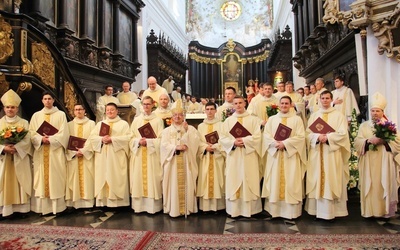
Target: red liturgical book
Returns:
[[212, 137], [282, 133], [239, 131], [146, 131], [46, 128], [75, 142], [104, 129], [319, 126]]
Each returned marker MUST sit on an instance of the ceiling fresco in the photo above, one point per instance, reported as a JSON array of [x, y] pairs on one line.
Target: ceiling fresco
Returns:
[[204, 22]]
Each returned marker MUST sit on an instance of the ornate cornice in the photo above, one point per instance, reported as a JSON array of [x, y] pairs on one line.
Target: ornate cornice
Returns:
[[382, 15]]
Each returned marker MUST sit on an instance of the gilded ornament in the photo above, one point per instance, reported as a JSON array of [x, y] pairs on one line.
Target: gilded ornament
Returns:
[[70, 98], [6, 42], [27, 66], [43, 64], [24, 87]]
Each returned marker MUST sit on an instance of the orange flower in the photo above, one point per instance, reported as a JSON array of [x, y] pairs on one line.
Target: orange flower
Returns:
[[8, 134], [20, 129]]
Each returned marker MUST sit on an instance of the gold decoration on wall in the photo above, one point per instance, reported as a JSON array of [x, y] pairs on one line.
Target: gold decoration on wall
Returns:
[[383, 16], [43, 64], [27, 66], [230, 45], [70, 98], [4, 85], [206, 60], [6, 42], [24, 87]]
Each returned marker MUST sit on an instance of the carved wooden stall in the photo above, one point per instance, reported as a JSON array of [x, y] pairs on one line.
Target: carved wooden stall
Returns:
[[211, 70], [70, 48], [166, 59], [279, 64]]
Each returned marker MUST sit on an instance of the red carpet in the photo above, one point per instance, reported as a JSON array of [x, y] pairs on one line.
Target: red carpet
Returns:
[[23, 236], [164, 241]]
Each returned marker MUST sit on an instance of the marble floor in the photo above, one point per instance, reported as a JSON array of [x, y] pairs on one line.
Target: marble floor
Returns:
[[214, 223]]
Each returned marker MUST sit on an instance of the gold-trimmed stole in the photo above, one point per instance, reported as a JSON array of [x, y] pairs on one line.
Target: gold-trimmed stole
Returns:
[[144, 168], [282, 181], [80, 167], [210, 128], [46, 163], [321, 153], [106, 186]]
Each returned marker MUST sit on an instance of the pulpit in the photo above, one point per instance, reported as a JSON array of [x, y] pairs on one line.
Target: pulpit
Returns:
[[195, 119], [127, 112]]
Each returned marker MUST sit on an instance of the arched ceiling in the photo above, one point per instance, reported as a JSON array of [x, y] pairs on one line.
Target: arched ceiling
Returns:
[[204, 22]]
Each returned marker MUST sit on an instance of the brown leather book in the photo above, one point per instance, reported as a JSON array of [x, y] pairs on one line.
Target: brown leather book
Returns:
[[319, 126], [239, 131], [282, 132], [212, 137], [147, 131], [75, 142], [46, 128], [104, 129]]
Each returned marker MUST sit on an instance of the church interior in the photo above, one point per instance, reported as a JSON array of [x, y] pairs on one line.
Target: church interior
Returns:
[[74, 48]]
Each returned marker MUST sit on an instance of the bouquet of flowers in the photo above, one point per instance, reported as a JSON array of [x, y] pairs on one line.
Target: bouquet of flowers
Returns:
[[227, 112], [385, 130], [12, 135], [272, 110], [167, 121]]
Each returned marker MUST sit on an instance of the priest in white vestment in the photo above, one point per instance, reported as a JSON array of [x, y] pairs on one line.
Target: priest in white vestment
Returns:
[[328, 167], [230, 93], [102, 102], [211, 182], [258, 106], [154, 90], [315, 104], [15, 163], [126, 97], [145, 171], [179, 145], [111, 187], [344, 99], [243, 197], [49, 162], [80, 163], [379, 171], [285, 163]]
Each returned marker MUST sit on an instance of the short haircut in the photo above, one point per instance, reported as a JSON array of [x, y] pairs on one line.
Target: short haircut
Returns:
[[289, 83], [148, 98], [232, 88], [238, 97], [326, 92], [300, 88], [268, 84], [286, 97], [47, 93], [320, 79], [112, 104], [211, 104], [108, 86], [307, 87], [339, 77]]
